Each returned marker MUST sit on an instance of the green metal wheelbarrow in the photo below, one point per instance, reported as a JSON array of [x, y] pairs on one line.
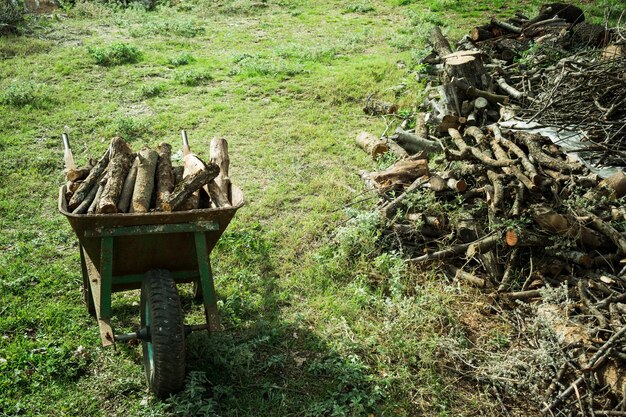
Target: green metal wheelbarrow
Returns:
[[152, 252]]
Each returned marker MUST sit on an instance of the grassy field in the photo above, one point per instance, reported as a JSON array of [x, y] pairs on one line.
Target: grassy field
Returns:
[[319, 321]]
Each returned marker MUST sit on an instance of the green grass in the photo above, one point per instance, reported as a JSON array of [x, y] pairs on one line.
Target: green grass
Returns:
[[319, 320]]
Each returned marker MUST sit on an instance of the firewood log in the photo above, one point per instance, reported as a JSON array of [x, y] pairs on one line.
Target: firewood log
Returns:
[[459, 274], [397, 150], [421, 130], [617, 183], [219, 188], [530, 169], [607, 230], [371, 144], [77, 174], [530, 140], [566, 226], [70, 188], [480, 33], [190, 185], [90, 182], [473, 92], [123, 205], [506, 26], [512, 170], [121, 159], [413, 144], [94, 204], [390, 209], [86, 202], [164, 174], [498, 189], [178, 174], [401, 174], [144, 184], [467, 150]]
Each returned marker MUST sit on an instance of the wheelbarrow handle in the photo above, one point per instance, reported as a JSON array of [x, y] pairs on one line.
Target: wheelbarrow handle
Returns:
[[68, 158], [186, 149]]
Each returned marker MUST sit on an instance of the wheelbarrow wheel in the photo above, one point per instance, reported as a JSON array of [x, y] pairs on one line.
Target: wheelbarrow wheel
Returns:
[[164, 348]]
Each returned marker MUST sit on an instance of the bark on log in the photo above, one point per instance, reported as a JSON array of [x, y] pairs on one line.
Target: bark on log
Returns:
[[164, 174], [414, 144], [77, 174], [506, 26], [94, 204], [616, 182], [192, 164], [397, 150], [498, 189], [467, 150], [401, 174], [607, 230], [390, 209], [509, 275], [219, 188], [530, 169], [190, 185], [90, 182], [512, 170], [421, 130], [459, 274], [371, 144], [70, 188], [87, 200], [530, 140], [144, 184], [119, 165], [480, 34], [439, 42], [466, 230], [446, 253], [474, 92], [482, 246], [505, 87], [123, 205], [178, 174], [566, 226]]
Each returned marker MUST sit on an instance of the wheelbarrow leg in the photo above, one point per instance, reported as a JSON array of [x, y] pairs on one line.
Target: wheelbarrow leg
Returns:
[[91, 308], [209, 297], [100, 285]]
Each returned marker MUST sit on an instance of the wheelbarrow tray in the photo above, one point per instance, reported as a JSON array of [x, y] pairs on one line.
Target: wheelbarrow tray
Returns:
[[118, 249]]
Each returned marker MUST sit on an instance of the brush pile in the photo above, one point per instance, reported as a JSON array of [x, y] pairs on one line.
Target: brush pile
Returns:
[[123, 181], [513, 177]]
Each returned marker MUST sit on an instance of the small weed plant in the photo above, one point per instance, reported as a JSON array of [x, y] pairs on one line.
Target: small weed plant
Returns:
[[359, 8], [192, 78], [182, 28], [115, 54], [181, 59], [22, 94], [130, 128], [151, 90]]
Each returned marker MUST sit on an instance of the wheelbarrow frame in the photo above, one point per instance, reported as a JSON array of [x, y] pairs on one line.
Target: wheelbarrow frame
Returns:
[[118, 249]]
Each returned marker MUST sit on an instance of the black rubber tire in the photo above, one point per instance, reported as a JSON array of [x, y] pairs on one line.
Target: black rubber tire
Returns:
[[87, 297], [160, 305]]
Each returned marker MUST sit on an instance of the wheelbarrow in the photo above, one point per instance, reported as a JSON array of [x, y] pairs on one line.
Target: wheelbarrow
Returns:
[[152, 252]]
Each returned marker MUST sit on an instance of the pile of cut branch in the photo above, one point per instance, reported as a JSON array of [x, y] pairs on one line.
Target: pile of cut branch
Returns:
[[122, 181], [511, 209]]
